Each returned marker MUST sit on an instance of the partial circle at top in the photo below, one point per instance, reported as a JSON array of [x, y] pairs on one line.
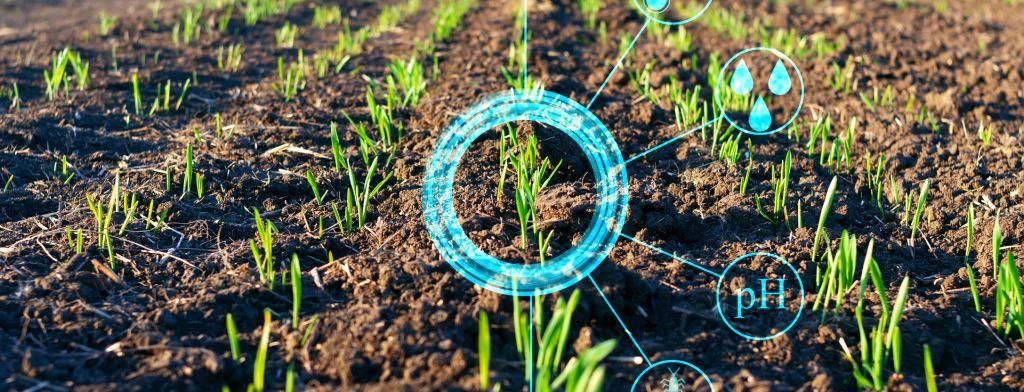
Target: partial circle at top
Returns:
[[662, 12]]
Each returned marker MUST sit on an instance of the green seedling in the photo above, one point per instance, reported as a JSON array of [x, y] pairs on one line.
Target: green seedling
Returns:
[[259, 369], [104, 217], [922, 199], [230, 60], [532, 175], [873, 170], [336, 151], [315, 187], [162, 101], [324, 15], [64, 171], [484, 350], [448, 17], [236, 349], [589, 9], [687, 105], [58, 78], [12, 94], [874, 101], [641, 81], [360, 193], [840, 273], [582, 373], [884, 341], [263, 250], [161, 217], [842, 78], [290, 79], [745, 182], [285, 36], [296, 279], [997, 244], [75, 240], [136, 94], [929, 371], [349, 43], [107, 23], [967, 255], [1009, 298], [825, 209], [780, 190], [984, 134], [408, 76], [188, 28], [192, 180]]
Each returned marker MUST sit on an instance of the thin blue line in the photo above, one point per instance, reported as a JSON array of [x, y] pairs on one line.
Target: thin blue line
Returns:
[[525, 41], [659, 250], [622, 323], [619, 63], [669, 141]]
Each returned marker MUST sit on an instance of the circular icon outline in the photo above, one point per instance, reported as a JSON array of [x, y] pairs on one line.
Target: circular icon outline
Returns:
[[647, 13], [721, 76], [693, 367], [564, 270], [718, 296]]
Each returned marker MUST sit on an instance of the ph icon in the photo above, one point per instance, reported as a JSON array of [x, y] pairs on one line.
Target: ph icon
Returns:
[[747, 298], [760, 296]]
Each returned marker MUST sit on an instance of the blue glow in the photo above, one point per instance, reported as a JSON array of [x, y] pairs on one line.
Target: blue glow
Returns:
[[707, 380], [760, 116], [565, 269], [782, 59], [742, 83], [718, 293], [779, 82], [652, 12], [657, 5]]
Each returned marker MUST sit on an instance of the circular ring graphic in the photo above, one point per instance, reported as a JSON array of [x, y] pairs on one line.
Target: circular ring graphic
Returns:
[[718, 296], [565, 269], [721, 75], [651, 9], [669, 362]]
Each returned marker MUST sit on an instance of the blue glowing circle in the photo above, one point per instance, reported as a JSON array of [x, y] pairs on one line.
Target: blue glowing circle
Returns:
[[649, 10], [718, 296], [721, 75], [669, 362], [565, 269]]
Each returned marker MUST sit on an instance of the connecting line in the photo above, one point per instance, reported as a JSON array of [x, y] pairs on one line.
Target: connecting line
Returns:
[[618, 63], [622, 323], [525, 42], [659, 250], [672, 140]]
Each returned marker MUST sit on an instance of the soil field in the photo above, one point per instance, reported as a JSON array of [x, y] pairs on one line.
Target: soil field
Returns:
[[206, 112]]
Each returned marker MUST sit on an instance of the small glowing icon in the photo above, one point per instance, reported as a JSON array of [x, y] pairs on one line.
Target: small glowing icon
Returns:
[[671, 382], [750, 108], [657, 5]]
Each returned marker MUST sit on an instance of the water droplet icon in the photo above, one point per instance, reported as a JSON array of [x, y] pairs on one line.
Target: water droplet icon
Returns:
[[760, 117], [657, 5], [779, 82], [742, 83]]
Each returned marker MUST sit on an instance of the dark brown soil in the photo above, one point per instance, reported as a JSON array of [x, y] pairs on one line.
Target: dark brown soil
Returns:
[[392, 315]]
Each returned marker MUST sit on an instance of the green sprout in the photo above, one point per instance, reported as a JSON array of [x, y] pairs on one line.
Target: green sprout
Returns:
[[296, 279], [315, 187], [545, 367], [236, 350], [484, 349], [825, 209], [263, 250]]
